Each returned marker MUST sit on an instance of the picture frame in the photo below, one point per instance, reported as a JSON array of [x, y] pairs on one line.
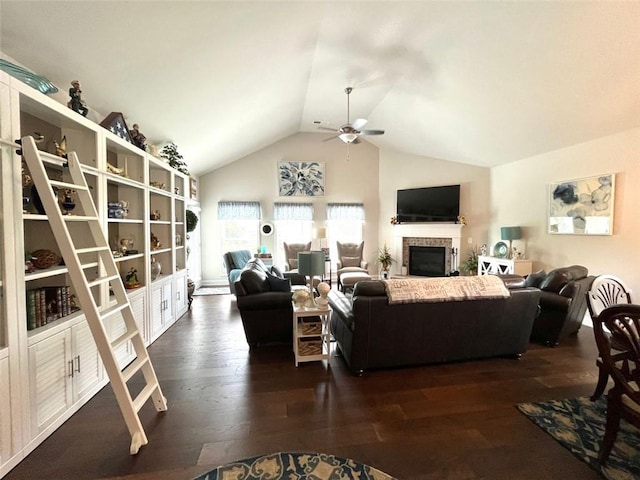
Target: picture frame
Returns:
[[193, 188], [584, 206], [301, 179]]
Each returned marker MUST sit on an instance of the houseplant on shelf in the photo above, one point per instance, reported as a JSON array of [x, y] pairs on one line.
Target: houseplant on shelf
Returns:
[[170, 153], [470, 265], [385, 260]]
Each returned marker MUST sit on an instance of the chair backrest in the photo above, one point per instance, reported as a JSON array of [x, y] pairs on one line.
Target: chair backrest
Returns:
[[606, 290], [622, 361], [291, 251], [350, 251]]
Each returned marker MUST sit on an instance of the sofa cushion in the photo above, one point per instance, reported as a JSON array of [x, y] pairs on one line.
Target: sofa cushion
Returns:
[[370, 288], [512, 281], [350, 261], [254, 279], [277, 284], [277, 272], [535, 279], [558, 278]]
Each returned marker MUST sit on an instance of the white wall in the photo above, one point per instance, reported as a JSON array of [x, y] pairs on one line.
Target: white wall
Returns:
[[254, 178], [400, 170], [519, 196]]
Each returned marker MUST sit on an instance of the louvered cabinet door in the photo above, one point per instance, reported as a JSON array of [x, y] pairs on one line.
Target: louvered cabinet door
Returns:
[[86, 362], [51, 389]]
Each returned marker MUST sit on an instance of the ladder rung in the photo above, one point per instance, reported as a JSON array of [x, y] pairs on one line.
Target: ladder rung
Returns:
[[143, 396], [124, 338], [107, 312], [79, 218], [68, 185], [80, 251], [101, 280], [134, 367]]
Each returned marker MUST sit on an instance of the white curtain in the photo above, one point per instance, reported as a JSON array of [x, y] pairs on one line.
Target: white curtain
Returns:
[[293, 211], [345, 223], [238, 210], [345, 211]]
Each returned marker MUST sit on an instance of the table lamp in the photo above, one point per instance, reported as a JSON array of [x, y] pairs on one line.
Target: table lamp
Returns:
[[510, 233], [311, 264], [321, 234]]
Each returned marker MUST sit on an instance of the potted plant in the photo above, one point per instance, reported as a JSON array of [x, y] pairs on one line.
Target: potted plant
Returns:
[[470, 265], [385, 260], [192, 221], [170, 153]]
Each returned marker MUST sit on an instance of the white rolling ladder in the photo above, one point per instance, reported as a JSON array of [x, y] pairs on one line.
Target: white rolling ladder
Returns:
[[79, 261]]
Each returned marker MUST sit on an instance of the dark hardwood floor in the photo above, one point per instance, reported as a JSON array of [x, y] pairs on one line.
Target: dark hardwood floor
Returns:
[[454, 422]]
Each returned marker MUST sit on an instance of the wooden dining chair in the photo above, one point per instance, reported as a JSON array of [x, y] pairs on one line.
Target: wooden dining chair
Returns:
[[606, 290], [622, 323]]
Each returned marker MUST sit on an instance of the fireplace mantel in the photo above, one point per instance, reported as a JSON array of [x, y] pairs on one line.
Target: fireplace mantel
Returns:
[[451, 231]]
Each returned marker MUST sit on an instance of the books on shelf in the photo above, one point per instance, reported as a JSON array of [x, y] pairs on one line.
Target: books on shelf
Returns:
[[47, 304]]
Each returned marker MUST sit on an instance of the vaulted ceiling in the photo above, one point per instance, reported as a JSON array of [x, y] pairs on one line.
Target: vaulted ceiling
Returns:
[[483, 83]]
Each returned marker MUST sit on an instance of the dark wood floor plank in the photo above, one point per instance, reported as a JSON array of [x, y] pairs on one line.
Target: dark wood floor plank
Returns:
[[455, 421]]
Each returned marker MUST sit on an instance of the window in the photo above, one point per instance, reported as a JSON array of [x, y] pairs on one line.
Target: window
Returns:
[[293, 224], [239, 226], [344, 224]]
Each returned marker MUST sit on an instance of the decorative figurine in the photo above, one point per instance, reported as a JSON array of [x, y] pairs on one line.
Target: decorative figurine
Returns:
[[61, 148], [76, 103], [138, 139], [484, 249], [131, 279], [66, 202], [323, 289]]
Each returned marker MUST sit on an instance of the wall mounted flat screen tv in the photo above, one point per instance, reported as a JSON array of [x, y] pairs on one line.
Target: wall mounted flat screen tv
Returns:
[[430, 204]]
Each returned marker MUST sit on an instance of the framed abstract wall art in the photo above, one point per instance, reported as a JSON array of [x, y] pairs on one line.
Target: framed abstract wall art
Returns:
[[583, 206], [301, 179]]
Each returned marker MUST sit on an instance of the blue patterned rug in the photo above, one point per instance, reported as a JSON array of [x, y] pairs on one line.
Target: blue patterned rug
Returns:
[[295, 466], [578, 424]]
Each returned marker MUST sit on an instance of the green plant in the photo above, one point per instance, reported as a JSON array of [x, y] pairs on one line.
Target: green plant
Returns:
[[170, 153], [384, 258], [192, 221], [470, 265]]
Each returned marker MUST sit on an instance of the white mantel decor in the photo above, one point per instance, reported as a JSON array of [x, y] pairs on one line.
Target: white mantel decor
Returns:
[[450, 232]]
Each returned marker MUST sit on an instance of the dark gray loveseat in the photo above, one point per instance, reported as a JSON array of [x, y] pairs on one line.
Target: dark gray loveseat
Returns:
[[263, 297], [372, 334]]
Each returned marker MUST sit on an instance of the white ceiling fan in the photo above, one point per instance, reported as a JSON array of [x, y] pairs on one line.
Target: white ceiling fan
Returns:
[[350, 132]]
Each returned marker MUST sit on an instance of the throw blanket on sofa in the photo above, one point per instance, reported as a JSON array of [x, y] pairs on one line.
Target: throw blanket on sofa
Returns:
[[444, 289]]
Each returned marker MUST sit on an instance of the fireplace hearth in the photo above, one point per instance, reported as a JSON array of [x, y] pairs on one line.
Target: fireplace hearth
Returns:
[[427, 261]]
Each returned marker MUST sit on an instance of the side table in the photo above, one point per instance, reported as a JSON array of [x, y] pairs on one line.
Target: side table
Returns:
[[311, 335]]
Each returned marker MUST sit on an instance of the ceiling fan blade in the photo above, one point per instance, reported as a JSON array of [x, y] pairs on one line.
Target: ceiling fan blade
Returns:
[[372, 132], [358, 123], [326, 128], [330, 138]]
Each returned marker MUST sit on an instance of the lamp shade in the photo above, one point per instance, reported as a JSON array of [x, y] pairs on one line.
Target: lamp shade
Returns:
[[321, 232], [311, 263], [510, 233]]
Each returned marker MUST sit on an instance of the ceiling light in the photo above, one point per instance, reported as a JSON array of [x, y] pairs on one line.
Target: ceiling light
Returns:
[[348, 137]]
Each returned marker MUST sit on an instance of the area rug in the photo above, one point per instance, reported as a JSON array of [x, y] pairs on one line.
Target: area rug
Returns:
[[212, 291], [578, 425], [295, 466]]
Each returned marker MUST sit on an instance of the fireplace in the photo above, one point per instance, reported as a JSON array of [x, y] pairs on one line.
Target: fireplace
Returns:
[[427, 261]]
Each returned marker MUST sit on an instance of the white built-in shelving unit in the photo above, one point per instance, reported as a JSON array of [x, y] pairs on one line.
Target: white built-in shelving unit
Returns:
[[41, 382]]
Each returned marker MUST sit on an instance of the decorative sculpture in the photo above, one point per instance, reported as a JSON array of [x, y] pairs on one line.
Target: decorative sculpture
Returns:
[[76, 103]]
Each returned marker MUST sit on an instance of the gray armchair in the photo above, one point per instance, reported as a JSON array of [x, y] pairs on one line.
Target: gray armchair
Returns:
[[350, 259], [291, 251]]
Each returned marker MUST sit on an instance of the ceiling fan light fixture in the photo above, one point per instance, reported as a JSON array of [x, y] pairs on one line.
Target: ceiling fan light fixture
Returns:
[[348, 137]]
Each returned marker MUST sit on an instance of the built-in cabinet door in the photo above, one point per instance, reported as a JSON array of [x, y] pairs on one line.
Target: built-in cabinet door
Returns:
[[86, 362], [5, 411], [157, 309], [167, 298], [181, 295], [139, 310], [50, 370]]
